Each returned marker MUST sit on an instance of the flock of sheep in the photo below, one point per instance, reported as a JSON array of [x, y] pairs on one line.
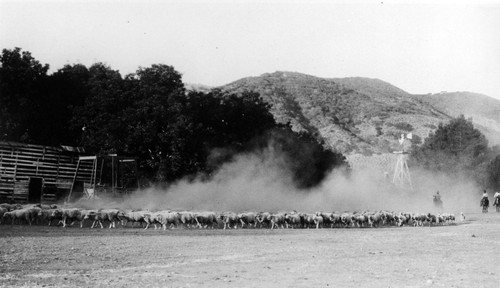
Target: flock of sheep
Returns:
[[50, 214]]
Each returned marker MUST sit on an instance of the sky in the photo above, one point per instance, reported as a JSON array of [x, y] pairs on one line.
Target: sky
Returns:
[[420, 47]]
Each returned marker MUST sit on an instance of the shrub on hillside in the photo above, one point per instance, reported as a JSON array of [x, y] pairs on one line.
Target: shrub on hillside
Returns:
[[403, 126], [416, 140], [394, 134], [431, 126]]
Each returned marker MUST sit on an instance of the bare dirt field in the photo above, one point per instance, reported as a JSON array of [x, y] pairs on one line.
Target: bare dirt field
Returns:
[[461, 255]]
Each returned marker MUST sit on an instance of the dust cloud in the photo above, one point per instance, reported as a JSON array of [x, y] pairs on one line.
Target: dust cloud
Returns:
[[261, 182]]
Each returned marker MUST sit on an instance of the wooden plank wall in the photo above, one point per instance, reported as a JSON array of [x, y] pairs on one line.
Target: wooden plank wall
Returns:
[[19, 162]]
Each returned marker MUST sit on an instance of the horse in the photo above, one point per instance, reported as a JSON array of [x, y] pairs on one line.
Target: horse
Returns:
[[497, 204], [485, 203]]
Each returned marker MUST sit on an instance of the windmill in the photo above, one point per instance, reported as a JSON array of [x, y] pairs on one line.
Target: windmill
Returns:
[[402, 176]]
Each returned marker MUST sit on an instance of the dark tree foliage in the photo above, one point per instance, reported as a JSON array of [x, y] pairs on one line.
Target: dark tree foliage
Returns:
[[223, 125], [37, 108], [229, 119], [303, 156], [100, 117], [456, 147], [157, 126], [65, 91], [139, 115], [22, 80]]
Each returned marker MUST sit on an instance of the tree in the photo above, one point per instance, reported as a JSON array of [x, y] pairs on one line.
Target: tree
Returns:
[[22, 79], [223, 124], [100, 118], [455, 148], [142, 115], [308, 161], [63, 92], [158, 121]]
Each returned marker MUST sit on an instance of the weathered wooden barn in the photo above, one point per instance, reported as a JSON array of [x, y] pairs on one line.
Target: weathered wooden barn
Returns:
[[35, 173]]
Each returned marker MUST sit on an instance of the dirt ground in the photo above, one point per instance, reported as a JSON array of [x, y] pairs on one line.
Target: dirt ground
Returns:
[[461, 255]]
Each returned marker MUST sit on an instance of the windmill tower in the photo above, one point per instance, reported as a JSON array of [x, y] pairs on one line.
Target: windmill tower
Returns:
[[402, 176]]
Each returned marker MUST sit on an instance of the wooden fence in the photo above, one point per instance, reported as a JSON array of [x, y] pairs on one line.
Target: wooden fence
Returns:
[[24, 166]]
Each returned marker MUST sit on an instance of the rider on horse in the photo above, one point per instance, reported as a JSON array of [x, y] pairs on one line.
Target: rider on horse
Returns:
[[485, 202], [496, 202], [437, 201]]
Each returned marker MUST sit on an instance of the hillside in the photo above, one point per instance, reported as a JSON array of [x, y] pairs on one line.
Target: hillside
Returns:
[[353, 115], [484, 110]]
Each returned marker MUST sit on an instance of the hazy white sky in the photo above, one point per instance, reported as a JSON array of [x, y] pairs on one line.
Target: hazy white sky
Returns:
[[418, 46]]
